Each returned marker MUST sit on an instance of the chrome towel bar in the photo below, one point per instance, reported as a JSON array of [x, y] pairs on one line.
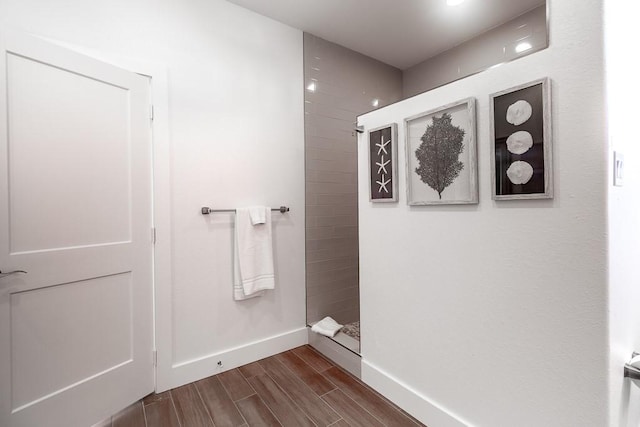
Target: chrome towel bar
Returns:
[[206, 210]]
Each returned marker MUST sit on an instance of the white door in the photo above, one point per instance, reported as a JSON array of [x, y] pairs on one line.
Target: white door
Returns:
[[75, 213]]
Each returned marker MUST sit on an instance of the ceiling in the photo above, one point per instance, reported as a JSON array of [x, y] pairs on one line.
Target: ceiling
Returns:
[[401, 33]]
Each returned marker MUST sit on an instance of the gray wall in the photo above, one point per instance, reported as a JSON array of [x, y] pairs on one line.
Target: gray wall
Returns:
[[346, 83], [492, 47]]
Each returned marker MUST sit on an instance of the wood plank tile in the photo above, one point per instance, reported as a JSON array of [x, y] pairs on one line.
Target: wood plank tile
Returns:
[[251, 370], [306, 373], [131, 416], [350, 411], [313, 358], [303, 396], [153, 397], [340, 423], [161, 414], [221, 408], [237, 387], [256, 412], [368, 399], [189, 407], [283, 408]]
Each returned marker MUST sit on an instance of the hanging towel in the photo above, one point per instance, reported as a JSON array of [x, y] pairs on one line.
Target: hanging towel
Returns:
[[253, 254], [327, 326], [258, 214]]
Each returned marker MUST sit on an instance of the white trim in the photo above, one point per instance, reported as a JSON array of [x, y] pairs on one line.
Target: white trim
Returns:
[[412, 401], [192, 370]]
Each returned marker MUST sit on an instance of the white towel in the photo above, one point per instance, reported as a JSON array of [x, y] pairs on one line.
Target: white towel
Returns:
[[258, 214], [253, 254], [327, 326]]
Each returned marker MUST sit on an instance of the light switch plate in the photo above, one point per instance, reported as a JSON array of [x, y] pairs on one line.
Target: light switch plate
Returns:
[[618, 169]]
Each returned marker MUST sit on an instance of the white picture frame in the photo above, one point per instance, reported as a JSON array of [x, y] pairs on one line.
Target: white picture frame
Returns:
[[521, 142], [441, 155]]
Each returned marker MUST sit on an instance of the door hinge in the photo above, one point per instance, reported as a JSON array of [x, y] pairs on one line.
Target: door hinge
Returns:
[[151, 112], [153, 235], [155, 358]]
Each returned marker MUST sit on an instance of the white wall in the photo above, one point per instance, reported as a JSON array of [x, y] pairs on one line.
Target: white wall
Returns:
[[233, 115], [496, 314], [623, 92]]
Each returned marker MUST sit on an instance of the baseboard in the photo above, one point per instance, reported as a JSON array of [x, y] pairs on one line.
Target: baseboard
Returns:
[[419, 406], [193, 370]]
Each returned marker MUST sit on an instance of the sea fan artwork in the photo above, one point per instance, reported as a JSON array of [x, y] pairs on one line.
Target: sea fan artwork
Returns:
[[438, 154]]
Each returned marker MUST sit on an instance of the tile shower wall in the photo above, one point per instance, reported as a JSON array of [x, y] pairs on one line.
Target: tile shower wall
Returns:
[[495, 46], [340, 84]]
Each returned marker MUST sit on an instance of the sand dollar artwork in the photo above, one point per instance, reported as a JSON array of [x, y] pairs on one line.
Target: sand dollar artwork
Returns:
[[519, 142], [520, 172], [519, 112]]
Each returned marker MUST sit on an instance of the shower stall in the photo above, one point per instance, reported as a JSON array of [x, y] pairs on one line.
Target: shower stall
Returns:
[[340, 84]]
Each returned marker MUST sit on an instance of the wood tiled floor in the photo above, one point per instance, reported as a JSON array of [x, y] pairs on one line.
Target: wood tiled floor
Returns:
[[296, 388]]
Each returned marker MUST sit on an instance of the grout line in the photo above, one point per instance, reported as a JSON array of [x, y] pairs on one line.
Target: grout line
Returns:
[[206, 408], [232, 401], [354, 401], [245, 380], [229, 394], [330, 391], [243, 375], [389, 403], [386, 401], [239, 411], [269, 409], [296, 376], [175, 410], [144, 414], [293, 404], [334, 423], [288, 395]]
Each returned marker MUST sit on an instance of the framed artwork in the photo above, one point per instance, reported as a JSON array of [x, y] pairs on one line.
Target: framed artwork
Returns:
[[521, 163], [383, 164], [441, 151]]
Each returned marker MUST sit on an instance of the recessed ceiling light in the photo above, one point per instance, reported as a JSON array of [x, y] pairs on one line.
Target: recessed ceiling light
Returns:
[[311, 87], [521, 47], [375, 102], [454, 2]]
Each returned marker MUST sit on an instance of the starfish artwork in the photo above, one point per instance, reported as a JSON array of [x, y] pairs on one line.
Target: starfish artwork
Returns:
[[383, 184], [382, 144], [382, 148], [382, 165]]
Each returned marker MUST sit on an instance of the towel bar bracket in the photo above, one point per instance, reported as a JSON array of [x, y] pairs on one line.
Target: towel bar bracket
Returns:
[[631, 371]]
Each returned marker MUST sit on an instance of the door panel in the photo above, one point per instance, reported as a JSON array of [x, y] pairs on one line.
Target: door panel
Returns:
[[75, 213], [45, 105], [96, 312]]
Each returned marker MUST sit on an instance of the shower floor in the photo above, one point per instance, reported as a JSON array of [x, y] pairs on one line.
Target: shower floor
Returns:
[[349, 337], [352, 329]]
